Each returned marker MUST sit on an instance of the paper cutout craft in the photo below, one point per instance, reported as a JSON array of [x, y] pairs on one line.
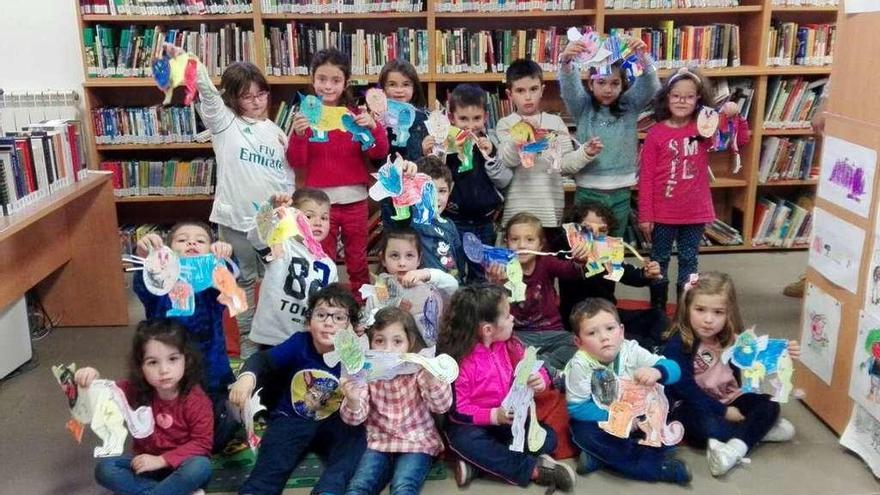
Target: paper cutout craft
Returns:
[[161, 270], [348, 349], [405, 191], [359, 134], [430, 320], [603, 386], [603, 51], [102, 405], [462, 142], [377, 102], [382, 365], [275, 226], [605, 254], [438, 127], [487, 255], [594, 53], [645, 407], [442, 367], [425, 302], [396, 115], [531, 142], [251, 407], [324, 118], [181, 70], [231, 295], [764, 362], [520, 400], [707, 122]]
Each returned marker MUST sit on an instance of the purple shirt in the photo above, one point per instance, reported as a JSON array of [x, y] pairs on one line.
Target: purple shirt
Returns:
[[540, 310]]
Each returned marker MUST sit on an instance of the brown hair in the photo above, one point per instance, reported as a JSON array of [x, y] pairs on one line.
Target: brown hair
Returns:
[[467, 95], [589, 308], [186, 223], [400, 233], [409, 72], [469, 307], [435, 168], [334, 57], [391, 315], [708, 284], [524, 218], [615, 107], [704, 93], [237, 79], [173, 335], [577, 212], [304, 194]]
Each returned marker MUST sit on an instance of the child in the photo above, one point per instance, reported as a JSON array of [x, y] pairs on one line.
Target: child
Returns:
[[477, 331], [710, 404], [249, 148], [675, 200], [609, 109], [537, 189], [601, 346], [305, 418], [164, 375], [402, 441], [338, 166], [475, 200], [644, 326], [290, 280], [205, 325]]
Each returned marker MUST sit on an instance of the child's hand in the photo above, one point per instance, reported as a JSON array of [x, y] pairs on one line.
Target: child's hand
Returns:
[[281, 199], [572, 50], [85, 376], [148, 243], [222, 250], [428, 145], [359, 329], [730, 109], [581, 252], [646, 228], [496, 273], [647, 376], [242, 390], [364, 119], [536, 383], [794, 349], [484, 145], [733, 415], [413, 278], [641, 49], [171, 50], [501, 416], [652, 270], [354, 391], [300, 124], [593, 147], [145, 463], [410, 168]]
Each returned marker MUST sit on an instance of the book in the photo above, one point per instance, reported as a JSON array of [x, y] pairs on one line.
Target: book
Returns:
[[792, 102], [793, 44], [339, 6], [173, 177], [501, 5], [462, 50], [146, 125], [671, 46], [779, 222], [668, 4]]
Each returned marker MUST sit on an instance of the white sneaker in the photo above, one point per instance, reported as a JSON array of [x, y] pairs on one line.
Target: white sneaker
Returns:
[[782, 431], [198, 492], [722, 457]]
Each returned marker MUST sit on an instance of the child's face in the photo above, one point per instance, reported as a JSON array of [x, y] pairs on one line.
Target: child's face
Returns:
[[471, 118], [190, 240], [163, 367], [525, 93], [444, 189], [398, 87], [325, 321], [606, 90], [502, 328], [319, 217], [600, 336], [329, 82], [253, 102], [595, 223], [683, 96], [401, 256], [524, 236], [392, 338], [708, 315]]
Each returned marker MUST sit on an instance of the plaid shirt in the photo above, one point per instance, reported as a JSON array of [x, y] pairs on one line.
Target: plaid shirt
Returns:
[[398, 413]]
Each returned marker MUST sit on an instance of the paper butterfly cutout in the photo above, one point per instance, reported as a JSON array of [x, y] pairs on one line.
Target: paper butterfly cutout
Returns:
[[531, 142], [521, 401], [405, 191], [324, 118], [438, 127], [181, 70], [486, 255], [764, 362], [645, 407]]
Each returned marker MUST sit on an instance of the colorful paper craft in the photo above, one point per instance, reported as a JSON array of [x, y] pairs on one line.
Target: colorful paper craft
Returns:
[[405, 191], [348, 349], [532, 142], [462, 142], [400, 118], [605, 50], [359, 134], [181, 70], [275, 226], [645, 407], [707, 122], [520, 400], [487, 255], [251, 407], [382, 365], [425, 302], [161, 270], [324, 118], [438, 127], [606, 253], [764, 362]]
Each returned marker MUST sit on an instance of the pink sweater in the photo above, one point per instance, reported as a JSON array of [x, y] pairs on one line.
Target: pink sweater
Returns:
[[484, 378], [674, 174]]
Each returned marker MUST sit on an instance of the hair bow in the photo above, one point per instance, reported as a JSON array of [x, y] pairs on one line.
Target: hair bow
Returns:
[[692, 281]]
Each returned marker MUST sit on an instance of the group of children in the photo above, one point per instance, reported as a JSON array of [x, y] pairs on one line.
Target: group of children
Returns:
[[373, 434]]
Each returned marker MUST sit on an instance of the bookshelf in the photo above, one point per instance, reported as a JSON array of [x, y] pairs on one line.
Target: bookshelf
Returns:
[[735, 196]]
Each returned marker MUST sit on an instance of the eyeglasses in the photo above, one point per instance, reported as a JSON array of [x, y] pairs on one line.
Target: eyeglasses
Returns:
[[338, 318], [252, 98], [683, 98]]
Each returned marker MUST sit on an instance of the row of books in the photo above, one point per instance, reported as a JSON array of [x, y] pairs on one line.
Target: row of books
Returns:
[[791, 44], [714, 45], [130, 51], [145, 125], [163, 177], [165, 7], [805, 3], [289, 49], [782, 223], [465, 51], [501, 5], [792, 102], [668, 4], [339, 6], [787, 159], [38, 161]]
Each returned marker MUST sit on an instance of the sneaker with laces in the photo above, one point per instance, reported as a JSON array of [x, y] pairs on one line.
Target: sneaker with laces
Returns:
[[722, 457], [555, 475], [464, 473], [782, 431], [675, 471], [587, 463]]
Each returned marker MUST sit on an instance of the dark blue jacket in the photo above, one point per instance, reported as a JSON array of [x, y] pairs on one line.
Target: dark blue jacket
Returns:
[[686, 389]]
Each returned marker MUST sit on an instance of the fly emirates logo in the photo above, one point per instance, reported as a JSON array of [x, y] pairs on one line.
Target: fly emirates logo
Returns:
[[265, 156]]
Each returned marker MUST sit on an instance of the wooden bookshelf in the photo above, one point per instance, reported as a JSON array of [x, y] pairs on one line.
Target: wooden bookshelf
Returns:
[[735, 196]]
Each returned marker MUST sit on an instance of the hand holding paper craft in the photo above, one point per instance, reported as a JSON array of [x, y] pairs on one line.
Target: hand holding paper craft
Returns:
[[606, 253], [765, 364], [520, 400], [399, 116], [531, 142], [176, 68], [486, 255], [438, 127], [251, 407], [324, 118], [275, 226], [405, 190], [348, 349], [636, 401]]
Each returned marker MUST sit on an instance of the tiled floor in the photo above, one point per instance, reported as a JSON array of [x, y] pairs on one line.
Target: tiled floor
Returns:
[[37, 455]]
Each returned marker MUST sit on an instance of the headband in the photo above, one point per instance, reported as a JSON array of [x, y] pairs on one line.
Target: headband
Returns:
[[681, 74]]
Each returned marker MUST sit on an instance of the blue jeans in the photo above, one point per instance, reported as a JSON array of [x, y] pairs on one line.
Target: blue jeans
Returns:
[[487, 448], [286, 441], [699, 426], [623, 455], [486, 233], [406, 471], [116, 475], [687, 238]]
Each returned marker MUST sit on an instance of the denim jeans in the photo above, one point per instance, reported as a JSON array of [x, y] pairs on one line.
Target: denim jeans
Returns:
[[623, 455], [761, 414], [406, 471], [486, 233], [487, 448], [286, 441], [116, 475]]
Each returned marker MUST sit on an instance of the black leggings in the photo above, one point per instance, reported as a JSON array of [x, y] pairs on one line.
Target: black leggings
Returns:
[[761, 414]]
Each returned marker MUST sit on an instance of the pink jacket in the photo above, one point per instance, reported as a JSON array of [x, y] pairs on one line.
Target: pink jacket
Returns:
[[484, 378]]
